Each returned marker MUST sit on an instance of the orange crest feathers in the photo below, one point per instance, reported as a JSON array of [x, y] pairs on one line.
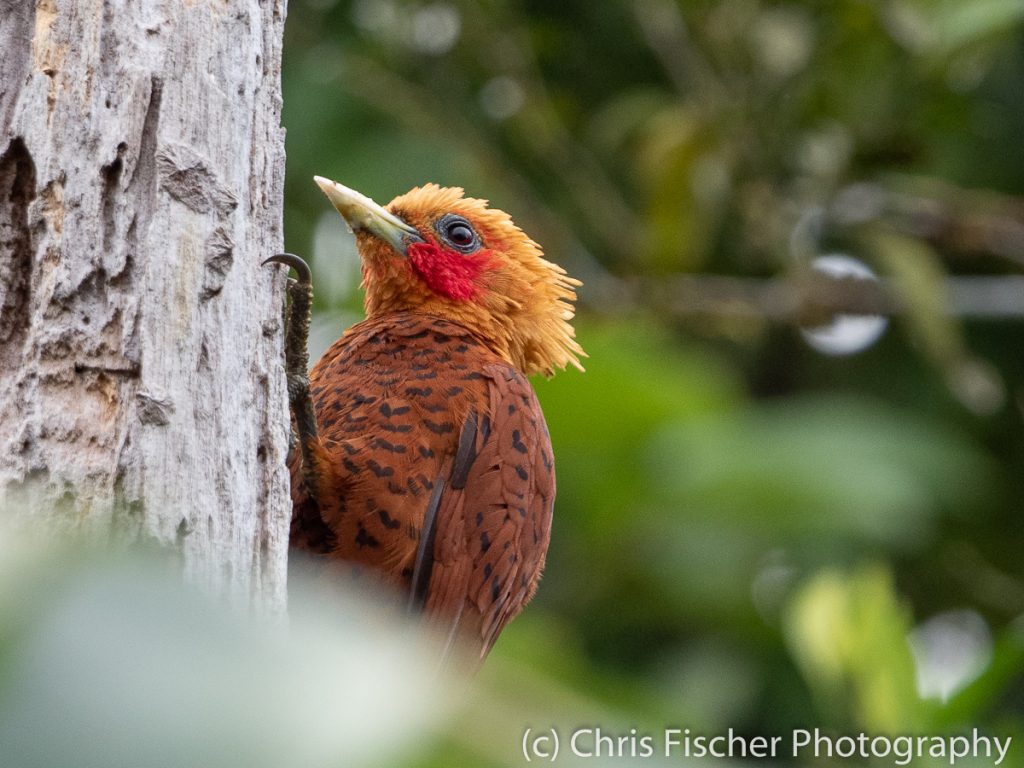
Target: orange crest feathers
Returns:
[[499, 285]]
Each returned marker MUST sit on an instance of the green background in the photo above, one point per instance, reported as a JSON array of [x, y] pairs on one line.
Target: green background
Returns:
[[748, 533]]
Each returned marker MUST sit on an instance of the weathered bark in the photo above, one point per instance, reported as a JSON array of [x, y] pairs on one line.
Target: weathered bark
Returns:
[[141, 173]]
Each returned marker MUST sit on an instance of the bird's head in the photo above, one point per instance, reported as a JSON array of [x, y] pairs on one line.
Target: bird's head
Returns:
[[432, 250]]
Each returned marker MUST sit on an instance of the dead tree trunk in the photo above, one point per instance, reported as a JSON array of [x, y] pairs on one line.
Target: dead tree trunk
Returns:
[[141, 174]]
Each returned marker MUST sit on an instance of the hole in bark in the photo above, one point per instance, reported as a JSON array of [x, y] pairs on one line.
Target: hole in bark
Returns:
[[203, 363], [111, 175], [17, 189], [141, 187], [144, 175]]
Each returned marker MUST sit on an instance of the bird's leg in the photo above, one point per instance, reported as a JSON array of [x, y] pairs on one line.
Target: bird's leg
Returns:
[[296, 358]]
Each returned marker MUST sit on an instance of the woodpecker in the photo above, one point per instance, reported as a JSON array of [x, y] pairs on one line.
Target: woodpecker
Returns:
[[423, 454]]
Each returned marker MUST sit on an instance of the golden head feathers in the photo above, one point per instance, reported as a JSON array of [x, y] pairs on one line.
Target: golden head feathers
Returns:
[[435, 251]]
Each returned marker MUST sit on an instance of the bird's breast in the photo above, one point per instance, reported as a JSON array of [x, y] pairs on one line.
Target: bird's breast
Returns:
[[391, 396]]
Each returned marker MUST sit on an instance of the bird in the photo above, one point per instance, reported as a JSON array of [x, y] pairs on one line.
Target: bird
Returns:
[[423, 456]]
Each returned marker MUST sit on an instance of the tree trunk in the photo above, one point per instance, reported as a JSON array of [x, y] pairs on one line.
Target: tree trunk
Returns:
[[141, 174]]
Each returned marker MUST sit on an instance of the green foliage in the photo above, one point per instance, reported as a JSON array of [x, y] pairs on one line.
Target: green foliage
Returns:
[[106, 659], [747, 532], [816, 467], [849, 636]]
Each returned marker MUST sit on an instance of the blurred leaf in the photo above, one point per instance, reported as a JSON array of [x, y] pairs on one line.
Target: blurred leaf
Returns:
[[113, 662], [919, 279], [635, 381], [622, 120], [705, 567], [848, 633], [958, 24], [841, 466], [677, 228]]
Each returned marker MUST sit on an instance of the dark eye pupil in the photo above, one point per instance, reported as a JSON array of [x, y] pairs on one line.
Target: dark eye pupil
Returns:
[[460, 234]]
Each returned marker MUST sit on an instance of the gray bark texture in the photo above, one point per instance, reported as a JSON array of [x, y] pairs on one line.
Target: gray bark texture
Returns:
[[141, 179]]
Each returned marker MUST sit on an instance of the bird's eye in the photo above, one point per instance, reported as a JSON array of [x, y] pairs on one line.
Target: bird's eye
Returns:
[[458, 233]]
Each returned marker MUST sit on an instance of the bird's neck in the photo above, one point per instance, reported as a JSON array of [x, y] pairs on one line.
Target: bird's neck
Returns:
[[534, 337], [495, 336]]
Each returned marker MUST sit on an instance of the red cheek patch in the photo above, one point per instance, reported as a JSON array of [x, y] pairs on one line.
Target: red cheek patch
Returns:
[[450, 274]]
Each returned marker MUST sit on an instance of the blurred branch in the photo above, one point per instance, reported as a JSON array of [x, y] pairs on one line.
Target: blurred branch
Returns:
[[598, 201], [951, 219], [811, 300], [808, 300], [407, 102], [965, 565], [666, 34]]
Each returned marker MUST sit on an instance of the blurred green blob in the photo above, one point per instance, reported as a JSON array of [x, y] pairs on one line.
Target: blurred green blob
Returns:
[[636, 380], [950, 25], [834, 466], [848, 634], [107, 659], [709, 685], [917, 270], [703, 570]]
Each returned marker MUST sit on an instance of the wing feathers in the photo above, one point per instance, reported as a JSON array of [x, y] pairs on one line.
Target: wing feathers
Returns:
[[496, 525], [466, 454], [424, 563]]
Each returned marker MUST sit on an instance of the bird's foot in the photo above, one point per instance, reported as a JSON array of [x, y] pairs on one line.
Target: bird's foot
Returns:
[[300, 295], [296, 352]]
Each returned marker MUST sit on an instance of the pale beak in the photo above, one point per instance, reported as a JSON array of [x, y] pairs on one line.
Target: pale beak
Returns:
[[364, 215]]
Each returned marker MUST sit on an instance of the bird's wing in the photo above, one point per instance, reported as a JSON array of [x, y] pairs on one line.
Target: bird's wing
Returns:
[[493, 519]]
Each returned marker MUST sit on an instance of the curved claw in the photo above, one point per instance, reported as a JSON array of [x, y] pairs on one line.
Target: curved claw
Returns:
[[296, 355], [295, 262]]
